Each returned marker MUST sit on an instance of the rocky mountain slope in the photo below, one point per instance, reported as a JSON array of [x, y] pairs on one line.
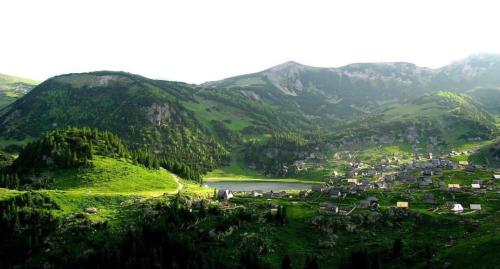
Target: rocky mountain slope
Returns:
[[361, 88]]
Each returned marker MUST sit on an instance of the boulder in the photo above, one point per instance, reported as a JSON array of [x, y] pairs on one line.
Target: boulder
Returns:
[[91, 210]]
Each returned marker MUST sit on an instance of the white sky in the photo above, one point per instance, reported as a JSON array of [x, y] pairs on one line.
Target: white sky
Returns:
[[197, 41]]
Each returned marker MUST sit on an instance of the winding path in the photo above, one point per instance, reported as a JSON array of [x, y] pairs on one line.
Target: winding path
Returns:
[[180, 186]]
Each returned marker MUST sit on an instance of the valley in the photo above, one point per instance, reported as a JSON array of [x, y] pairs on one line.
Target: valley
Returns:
[[380, 165]]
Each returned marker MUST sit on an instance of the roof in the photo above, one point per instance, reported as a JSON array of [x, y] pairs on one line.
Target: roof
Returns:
[[402, 204], [475, 186], [454, 186], [331, 206], [496, 176], [224, 193], [475, 206], [463, 162], [352, 180]]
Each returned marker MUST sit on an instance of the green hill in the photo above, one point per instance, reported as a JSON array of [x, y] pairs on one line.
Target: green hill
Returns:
[[488, 155], [488, 97], [442, 118], [12, 88], [146, 114], [112, 176]]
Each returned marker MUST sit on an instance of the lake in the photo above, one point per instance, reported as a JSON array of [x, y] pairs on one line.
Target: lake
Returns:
[[259, 185]]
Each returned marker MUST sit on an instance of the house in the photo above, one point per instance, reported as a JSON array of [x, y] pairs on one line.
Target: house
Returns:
[[429, 198], [402, 204], [328, 208], [353, 181], [496, 177], [453, 187], [475, 186], [478, 181], [365, 183], [303, 194], [371, 202], [257, 193], [389, 178], [382, 185], [317, 188], [331, 209], [427, 172], [200, 204], [457, 208], [280, 194], [475, 206], [225, 194], [463, 163], [407, 179], [472, 168], [335, 193], [425, 183]]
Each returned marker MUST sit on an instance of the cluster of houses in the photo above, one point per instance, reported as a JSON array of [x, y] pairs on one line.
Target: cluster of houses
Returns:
[[338, 187]]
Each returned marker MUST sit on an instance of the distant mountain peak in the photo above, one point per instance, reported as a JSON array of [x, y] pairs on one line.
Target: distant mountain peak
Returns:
[[289, 65]]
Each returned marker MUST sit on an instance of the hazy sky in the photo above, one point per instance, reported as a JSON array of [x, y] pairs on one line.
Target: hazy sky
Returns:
[[197, 41]]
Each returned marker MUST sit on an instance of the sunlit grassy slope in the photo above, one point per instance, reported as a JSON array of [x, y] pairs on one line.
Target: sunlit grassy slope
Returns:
[[111, 176], [13, 79], [6, 193]]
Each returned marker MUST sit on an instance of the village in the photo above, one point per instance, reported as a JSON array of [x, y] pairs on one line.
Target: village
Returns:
[[425, 183]]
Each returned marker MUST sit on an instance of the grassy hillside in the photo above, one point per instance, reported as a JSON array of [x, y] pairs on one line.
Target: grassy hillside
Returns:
[[455, 115], [6, 79], [451, 119], [146, 114], [488, 97], [111, 176], [489, 155]]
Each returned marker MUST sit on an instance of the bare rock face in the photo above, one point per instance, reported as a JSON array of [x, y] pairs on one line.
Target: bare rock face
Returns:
[[158, 113], [286, 77]]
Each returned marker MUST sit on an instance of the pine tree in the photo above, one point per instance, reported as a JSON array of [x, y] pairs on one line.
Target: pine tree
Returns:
[[286, 263], [397, 247]]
